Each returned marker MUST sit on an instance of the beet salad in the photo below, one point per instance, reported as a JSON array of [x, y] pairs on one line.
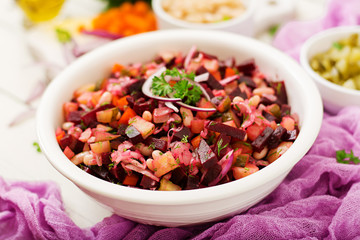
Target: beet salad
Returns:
[[180, 121]]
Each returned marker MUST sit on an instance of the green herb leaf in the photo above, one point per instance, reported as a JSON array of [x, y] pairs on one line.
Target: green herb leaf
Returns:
[[185, 139], [183, 89], [63, 35], [273, 30], [160, 87], [346, 158], [220, 147], [337, 45], [37, 146]]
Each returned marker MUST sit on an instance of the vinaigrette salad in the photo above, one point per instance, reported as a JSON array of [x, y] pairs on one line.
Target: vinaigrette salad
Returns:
[[178, 122]]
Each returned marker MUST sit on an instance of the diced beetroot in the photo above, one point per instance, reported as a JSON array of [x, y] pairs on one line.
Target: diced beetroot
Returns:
[[221, 145], [285, 110], [260, 142], [156, 143], [223, 128], [140, 107], [280, 91], [206, 155], [248, 81], [67, 141], [90, 117], [75, 117], [178, 176], [247, 67], [237, 92], [201, 70], [213, 83], [211, 174], [208, 90], [136, 86], [121, 129], [148, 183], [290, 135], [269, 116], [185, 131], [276, 137], [105, 157], [102, 172], [193, 182], [134, 135]]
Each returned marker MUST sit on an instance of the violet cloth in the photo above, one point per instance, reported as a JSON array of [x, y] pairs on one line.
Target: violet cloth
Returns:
[[319, 199]]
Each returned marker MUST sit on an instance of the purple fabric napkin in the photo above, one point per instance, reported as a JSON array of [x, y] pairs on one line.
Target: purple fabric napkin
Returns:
[[319, 199], [339, 13]]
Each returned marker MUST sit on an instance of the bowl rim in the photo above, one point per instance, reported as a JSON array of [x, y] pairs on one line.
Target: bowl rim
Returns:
[[161, 13], [51, 149], [341, 32]]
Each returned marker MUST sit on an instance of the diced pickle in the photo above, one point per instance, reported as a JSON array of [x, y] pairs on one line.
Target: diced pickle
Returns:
[[341, 63]]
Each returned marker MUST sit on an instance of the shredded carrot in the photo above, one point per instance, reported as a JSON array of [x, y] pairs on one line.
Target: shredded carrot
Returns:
[[127, 19]]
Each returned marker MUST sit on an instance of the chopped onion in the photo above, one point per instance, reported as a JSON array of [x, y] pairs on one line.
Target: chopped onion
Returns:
[[226, 163], [228, 80], [102, 34], [202, 77], [196, 108], [171, 106], [189, 56]]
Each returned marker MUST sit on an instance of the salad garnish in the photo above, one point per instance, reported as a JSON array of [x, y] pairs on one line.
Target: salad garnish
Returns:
[[178, 123], [346, 158]]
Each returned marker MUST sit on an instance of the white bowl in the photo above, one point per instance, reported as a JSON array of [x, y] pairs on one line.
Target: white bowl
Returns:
[[334, 96], [177, 208], [258, 16]]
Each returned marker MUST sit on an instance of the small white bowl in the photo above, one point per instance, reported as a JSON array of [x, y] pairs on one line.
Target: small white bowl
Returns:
[[178, 208], [259, 15], [335, 97]]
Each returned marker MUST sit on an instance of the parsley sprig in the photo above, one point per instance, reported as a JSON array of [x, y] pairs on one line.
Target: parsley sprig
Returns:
[[343, 157], [183, 89]]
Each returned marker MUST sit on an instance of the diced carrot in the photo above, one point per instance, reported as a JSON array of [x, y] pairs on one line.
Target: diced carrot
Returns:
[[117, 68], [121, 103], [196, 141], [59, 133], [129, 113], [216, 75], [131, 180], [68, 152], [127, 19], [229, 72]]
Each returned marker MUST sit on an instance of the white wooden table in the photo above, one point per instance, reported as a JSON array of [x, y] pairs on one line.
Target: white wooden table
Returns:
[[19, 159]]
